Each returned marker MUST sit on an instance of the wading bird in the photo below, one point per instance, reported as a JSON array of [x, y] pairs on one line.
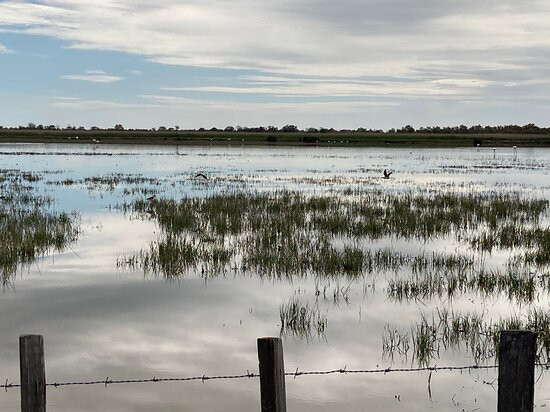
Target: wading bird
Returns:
[[387, 173]]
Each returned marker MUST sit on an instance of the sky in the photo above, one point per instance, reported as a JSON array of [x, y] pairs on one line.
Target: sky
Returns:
[[313, 63]]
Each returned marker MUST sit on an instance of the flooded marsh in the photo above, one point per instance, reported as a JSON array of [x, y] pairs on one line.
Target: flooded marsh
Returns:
[[285, 234], [131, 264]]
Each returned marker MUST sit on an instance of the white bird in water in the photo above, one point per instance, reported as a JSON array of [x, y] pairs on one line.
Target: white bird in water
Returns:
[[95, 140]]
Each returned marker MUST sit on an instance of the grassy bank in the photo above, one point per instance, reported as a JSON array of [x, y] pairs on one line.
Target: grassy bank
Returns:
[[344, 138]]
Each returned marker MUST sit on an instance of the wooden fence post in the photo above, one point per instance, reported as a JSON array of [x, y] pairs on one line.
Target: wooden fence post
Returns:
[[272, 375], [33, 374], [516, 371]]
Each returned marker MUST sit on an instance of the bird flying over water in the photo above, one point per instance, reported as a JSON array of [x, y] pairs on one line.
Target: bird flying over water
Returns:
[[202, 175], [151, 198], [387, 173]]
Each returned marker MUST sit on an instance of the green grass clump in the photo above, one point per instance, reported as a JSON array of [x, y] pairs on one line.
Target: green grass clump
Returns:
[[520, 284], [290, 233], [301, 320], [29, 228], [464, 331]]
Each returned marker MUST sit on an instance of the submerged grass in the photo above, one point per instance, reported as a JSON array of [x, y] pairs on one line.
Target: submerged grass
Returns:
[[301, 320], [289, 233], [30, 228], [446, 330], [521, 285]]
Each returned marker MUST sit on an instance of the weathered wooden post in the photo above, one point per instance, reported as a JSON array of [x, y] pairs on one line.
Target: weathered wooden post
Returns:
[[516, 372], [33, 374], [272, 375]]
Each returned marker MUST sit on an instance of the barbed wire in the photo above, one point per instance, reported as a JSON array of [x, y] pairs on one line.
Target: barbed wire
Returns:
[[248, 375]]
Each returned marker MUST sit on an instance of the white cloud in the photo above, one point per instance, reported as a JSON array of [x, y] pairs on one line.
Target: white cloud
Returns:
[[157, 110], [212, 105], [4, 49], [79, 104], [334, 106], [432, 55], [310, 37], [94, 76], [281, 86]]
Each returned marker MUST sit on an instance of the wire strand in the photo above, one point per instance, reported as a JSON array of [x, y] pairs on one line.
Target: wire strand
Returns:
[[248, 375]]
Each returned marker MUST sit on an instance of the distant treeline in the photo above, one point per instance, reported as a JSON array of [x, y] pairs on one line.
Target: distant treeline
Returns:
[[530, 128]]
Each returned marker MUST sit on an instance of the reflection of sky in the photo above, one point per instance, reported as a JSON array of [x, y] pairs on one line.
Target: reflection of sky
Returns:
[[100, 322]]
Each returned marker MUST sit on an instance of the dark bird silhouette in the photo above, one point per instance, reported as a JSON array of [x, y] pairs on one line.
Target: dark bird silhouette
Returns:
[[387, 173], [202, 175], [151, 198]]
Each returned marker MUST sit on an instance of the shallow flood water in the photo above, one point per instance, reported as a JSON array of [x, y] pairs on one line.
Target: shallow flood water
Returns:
[[101, 321]]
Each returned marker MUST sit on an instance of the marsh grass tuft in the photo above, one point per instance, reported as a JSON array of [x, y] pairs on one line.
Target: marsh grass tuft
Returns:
[[301, 320], [448, 330], [519, 284], [30, 228], [289, 233]]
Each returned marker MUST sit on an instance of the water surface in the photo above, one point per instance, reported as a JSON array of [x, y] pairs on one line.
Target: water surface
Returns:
[[99, 321]]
